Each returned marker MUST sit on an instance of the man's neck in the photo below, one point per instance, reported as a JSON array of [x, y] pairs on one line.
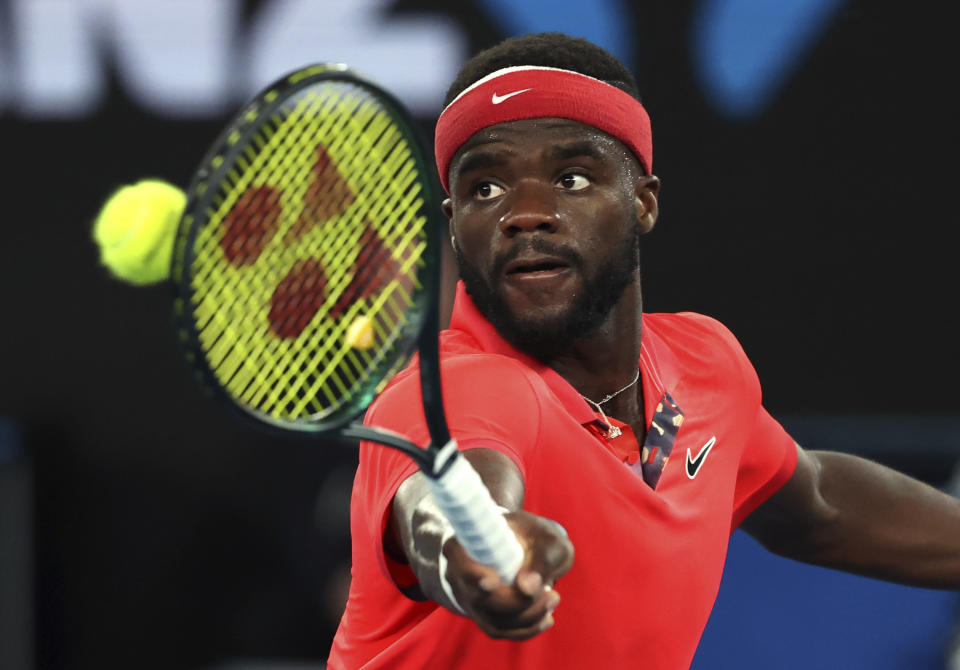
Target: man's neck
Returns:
[[606, 359]]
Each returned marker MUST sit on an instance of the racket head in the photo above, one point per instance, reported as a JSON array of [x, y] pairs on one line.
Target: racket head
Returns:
[[315, 212]]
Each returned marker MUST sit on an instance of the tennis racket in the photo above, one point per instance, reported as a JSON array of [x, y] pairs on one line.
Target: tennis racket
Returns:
[[306, 273]]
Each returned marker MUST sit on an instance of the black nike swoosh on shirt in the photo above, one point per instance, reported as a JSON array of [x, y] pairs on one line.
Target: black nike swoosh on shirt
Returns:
[[693, 464]]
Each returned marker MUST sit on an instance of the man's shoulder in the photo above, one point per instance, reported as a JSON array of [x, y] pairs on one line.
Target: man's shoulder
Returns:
[[697, 342], [461, 353], [468, 369], [681, 327]]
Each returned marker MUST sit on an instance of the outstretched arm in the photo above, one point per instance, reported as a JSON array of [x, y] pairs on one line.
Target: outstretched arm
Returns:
[[845, 512], [515, 611]]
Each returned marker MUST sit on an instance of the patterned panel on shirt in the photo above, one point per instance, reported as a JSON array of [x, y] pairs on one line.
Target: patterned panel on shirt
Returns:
[[658, 444]]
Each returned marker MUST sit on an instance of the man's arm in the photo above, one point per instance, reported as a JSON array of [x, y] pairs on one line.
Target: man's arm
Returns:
[[515, 611], [845, 512]]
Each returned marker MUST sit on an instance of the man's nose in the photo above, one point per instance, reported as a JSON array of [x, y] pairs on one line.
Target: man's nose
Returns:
[[531, 207]]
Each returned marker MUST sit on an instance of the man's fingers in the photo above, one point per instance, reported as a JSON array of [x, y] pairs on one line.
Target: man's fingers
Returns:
[[534, 620], [527, 591], [529, 582], [519, 634], [556, 559], [523, 608], [507, 610], [553, 554]]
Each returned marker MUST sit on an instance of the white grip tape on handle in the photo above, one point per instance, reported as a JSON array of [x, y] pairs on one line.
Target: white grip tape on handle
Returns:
[[475, 517]]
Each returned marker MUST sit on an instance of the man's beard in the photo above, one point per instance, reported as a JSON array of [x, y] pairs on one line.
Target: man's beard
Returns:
[[546, 337]]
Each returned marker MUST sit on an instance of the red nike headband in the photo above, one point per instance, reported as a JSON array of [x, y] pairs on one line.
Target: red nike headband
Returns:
[[531, 92]]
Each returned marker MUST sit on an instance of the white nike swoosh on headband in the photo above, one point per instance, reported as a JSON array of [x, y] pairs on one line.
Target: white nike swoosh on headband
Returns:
[[497, 99]]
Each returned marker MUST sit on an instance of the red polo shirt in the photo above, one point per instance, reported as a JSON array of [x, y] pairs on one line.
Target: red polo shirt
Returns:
[[650, 526]]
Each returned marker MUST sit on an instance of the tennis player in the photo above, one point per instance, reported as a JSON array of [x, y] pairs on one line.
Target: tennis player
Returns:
[[623, 447]]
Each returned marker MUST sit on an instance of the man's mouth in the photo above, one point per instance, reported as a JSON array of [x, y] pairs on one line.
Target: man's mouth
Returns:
[[535, 266]]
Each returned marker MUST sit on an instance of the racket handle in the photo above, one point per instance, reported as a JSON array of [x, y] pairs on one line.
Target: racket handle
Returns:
[[476, 519]]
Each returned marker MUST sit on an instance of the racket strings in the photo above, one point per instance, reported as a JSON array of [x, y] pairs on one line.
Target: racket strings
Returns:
[[343, 361], [319, 222]]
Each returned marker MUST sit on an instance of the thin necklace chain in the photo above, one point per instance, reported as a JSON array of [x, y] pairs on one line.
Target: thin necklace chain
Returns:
[[613, 395], [612, 431]]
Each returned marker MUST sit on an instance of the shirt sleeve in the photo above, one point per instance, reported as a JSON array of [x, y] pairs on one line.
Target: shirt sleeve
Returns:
[[767, 463], [489, 402]]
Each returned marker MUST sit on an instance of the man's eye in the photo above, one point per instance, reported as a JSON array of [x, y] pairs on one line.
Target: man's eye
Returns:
[[573, 181], [487, 190]]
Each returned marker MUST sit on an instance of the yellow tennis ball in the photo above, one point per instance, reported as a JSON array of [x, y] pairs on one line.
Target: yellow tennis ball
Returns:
[[136, 229], [360, 333]]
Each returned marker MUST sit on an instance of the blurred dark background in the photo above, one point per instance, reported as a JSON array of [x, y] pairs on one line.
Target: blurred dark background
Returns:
[[808, 155]]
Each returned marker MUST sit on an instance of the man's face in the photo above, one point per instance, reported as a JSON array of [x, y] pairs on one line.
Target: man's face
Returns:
[[544, 216]]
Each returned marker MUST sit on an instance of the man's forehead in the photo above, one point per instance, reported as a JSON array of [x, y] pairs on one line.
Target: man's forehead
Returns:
[[548, 130]]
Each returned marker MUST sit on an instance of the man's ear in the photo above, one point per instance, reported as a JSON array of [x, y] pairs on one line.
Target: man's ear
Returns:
[[647, 190], [447, 207]]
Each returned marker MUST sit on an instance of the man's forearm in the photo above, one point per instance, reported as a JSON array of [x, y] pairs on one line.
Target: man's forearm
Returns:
[[883, 524]]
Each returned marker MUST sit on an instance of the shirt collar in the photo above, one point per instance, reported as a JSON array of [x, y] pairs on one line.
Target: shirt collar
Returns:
[[657, 370]]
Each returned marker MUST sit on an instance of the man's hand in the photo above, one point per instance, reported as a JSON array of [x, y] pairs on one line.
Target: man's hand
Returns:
[[525, 608], [516, 611]]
